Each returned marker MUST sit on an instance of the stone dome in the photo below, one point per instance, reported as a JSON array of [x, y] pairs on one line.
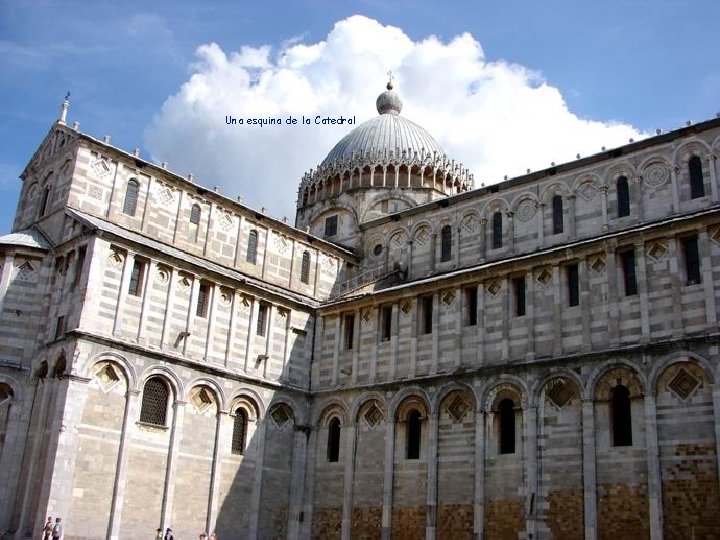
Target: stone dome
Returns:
[[388, 132]]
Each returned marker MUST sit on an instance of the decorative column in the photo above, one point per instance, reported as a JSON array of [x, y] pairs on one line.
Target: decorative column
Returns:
[[254, 510], [571, 215], [674, 187], [144, 307], [603, 206], [253, 311], [541, 225], [511, 231], [480, 326], [456, 241], [349, 479], [653, 469], [713, 177], [132, 404], [676, 287], [210, 339], [531, 471], [435, 334], [479, 473], [589, 469], [612, 302], [222, 430], [394, 331], [297, 479], [585, 303], [336, 349], [458, 341], [170, 471], [637, 182], [388, 477], [707, 278], [483, 239], [643, 291], [557, 311], [169, 302], [357, 327], [530, 315], [413, 335], [122, 293], [433, 247], [432, 477], [194, 292]]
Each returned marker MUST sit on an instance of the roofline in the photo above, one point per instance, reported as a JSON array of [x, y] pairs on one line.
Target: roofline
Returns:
[[211, 195], [536, 176], [431, 282]]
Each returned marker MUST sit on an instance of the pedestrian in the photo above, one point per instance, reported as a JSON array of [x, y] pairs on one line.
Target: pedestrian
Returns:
[[159, 534], [213, 536], [203, 536], [47, 529], [57, 530], [169, 534]]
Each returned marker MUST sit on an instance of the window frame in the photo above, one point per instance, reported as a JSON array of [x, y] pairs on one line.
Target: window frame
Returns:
[[203, 301], [263, 313], [305, 268], [426, 314], [620, 416], [497, 232], [519, 288], [132, 195], [239, 440], [195, 214], [622, 189], [333, 440], [629, 271], [386, 322], [557, 214], [572, 275], [162, 409], [348, 324], [446, 243], [470, 303], [331, 225], [692, 264], [252, 246], [413, 435], [136, 283], [696, 177], [507, 436]]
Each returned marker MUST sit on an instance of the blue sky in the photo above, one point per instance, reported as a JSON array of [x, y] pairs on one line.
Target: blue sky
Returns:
[[606, 69]]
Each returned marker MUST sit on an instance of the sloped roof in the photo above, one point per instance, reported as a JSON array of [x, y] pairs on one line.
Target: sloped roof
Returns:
[[32, 237]]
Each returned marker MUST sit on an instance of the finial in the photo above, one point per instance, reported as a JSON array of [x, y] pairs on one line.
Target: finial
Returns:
[[389, 85], [64, 109]]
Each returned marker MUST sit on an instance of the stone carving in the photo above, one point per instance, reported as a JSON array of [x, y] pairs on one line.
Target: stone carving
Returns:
[[373, 415], [116, 259], [597, 264], [469, 223], [656, 175], [26, 272], [95, 192], [494, 287], [162, 273], [559, 392], [100, 167], [422, 237], [458, 408], [328, 265], [107, 377], [683, 384], [226, 221], [587, 191], [201, 399], [526, 210], [657, 250], [544, 276], [165, 196], [281, 244], [448, 297]]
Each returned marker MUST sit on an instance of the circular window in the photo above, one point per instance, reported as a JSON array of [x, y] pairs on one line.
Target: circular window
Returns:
[[377, 250]]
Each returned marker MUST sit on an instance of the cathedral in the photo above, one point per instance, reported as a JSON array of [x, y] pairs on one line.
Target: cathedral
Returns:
[[416, 358]]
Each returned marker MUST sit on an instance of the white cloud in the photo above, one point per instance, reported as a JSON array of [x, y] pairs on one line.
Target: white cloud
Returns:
[[497, 118]]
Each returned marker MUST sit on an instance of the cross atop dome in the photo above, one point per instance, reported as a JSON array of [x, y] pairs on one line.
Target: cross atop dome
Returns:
[[389, 102]]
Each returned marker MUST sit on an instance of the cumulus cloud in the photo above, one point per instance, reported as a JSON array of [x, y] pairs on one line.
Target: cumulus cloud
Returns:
[[495, 117]]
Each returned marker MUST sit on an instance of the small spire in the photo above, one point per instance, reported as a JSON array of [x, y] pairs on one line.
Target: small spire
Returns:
[[64, 109], [389, 85]]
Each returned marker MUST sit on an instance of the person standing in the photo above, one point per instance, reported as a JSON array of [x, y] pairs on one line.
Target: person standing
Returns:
[[47, 529], [159, 534], [57, 530], [169, 534]]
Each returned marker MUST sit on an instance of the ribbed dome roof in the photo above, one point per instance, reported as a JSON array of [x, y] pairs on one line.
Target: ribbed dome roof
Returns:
[[387, 132]]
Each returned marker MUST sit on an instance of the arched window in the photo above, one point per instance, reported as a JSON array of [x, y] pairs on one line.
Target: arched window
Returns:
[[623, 196], [44, 201], [305, 268], [506, 411], [620, 416], [195, 214], [252, 247], [239, 431], [414, 432], [131, 197], [333, 444], [557, 214], [445, 243], [497, 230], [155, 402], [697, 184]]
